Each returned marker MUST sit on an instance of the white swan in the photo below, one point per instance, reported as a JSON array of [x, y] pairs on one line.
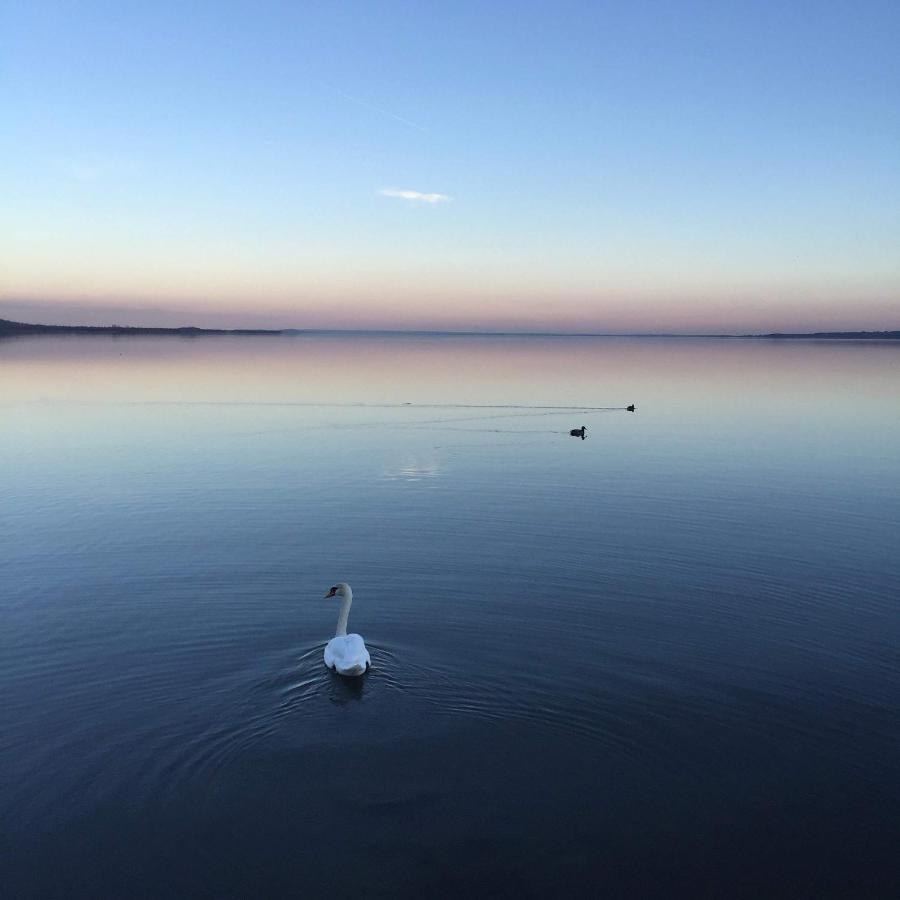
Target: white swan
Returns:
[[345, 653]]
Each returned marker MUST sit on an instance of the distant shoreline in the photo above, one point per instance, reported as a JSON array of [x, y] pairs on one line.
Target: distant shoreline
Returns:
[[834, 336], [12, 329]]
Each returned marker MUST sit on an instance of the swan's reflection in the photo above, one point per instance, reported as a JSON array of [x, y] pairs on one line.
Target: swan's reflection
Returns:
[[343, 689]]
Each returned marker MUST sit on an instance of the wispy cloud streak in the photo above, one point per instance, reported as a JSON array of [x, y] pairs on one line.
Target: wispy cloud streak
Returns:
[[94, 168], [372, 107], [415, 196]]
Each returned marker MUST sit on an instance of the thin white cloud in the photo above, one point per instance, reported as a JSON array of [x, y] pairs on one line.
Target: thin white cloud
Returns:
[[415, 196], [94, 168]]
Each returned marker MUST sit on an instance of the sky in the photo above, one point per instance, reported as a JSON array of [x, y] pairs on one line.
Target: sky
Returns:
[[573, 167]]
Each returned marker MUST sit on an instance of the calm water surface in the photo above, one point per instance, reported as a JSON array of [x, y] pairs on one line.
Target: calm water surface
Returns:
[[661, 661]]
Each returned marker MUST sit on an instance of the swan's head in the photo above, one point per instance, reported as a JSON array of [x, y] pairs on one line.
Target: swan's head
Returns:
[[341, 589]]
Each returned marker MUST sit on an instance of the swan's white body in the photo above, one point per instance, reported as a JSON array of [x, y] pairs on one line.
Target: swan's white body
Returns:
[[346, 653]]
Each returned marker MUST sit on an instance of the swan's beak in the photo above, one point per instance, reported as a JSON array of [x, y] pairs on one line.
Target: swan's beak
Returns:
[[331, 593]]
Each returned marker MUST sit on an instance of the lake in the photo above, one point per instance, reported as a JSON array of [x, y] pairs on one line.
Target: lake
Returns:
[[660, 661]]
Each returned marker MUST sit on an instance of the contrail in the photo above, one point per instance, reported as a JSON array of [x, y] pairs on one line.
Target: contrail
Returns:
[[371, 106]]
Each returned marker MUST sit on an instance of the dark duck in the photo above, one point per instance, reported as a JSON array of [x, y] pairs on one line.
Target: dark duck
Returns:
[[578, 432]]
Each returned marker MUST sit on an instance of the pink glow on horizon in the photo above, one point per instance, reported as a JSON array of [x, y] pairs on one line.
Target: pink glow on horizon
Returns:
[[739, 314]]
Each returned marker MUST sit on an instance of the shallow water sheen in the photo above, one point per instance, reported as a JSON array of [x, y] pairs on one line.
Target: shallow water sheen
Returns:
[[664, 658]]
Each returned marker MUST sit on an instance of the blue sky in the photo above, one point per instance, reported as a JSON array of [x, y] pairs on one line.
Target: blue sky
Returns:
[[585, 166]]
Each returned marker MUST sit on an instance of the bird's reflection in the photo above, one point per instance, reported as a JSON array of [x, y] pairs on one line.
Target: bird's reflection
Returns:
[[343, 689]]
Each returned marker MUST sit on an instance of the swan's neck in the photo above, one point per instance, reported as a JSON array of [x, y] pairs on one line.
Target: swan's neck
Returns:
[[344, 614]]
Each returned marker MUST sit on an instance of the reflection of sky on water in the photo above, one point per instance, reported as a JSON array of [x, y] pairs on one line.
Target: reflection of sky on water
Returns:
[[348, 416], [363, 408], [723, 395], [414, 469], [715, 573], [445, 369]]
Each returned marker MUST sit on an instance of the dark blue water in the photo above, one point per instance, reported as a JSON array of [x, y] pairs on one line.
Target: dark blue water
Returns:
[[661, 661]]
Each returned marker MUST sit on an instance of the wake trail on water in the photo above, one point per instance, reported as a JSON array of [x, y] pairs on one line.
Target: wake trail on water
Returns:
[[518, 415], [364, 405], [500, 411]]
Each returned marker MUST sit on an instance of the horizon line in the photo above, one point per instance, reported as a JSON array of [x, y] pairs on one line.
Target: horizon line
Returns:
[[457, 333]]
